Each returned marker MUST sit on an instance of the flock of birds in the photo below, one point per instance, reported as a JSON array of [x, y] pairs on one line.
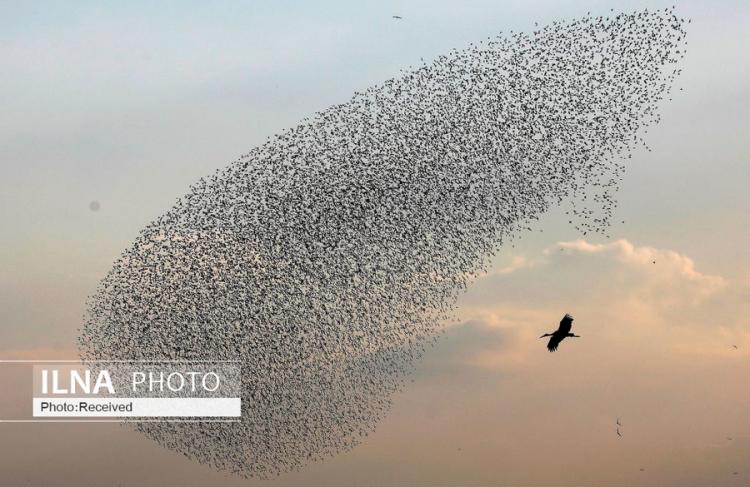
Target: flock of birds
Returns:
[[326, 259]]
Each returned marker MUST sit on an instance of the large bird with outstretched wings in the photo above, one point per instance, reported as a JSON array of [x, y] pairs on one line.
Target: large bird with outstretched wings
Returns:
[[561, 333]]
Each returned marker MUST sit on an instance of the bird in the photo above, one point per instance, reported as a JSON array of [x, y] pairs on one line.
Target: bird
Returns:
[[324, 258], [618, 422], [561, 333], [734, 346], [618, 433]]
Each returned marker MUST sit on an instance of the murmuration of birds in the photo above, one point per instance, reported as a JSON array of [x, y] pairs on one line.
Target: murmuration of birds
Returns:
[[327, 259]]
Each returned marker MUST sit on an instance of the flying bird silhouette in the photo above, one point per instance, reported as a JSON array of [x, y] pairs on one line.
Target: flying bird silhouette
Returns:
[[618, 433], [561, 333], [618, 422], [396, 17]]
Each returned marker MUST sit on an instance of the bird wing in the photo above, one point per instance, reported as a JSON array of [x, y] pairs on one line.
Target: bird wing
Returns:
[[554, 342], [565, 324]]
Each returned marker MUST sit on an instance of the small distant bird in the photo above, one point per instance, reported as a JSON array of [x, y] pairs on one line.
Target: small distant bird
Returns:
[[735, 347], [396, 17], [618, 422], [561, 333], [618, 433]]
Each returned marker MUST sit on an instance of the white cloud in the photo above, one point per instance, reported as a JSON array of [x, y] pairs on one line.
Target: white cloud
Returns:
[[667, 275], [517, 262], [668, 261]]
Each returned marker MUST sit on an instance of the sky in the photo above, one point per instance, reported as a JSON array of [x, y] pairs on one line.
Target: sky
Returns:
[[127, 104]]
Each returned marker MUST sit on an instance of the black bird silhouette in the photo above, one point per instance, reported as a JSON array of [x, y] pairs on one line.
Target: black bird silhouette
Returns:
[[559, 335], [396, 17], [618, 433]]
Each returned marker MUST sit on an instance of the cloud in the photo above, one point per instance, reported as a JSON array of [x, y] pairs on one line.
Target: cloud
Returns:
[[492, 338], [669, 262], [652, 285], [621, 293], [461, 344], [585, 273], [518, 262]]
